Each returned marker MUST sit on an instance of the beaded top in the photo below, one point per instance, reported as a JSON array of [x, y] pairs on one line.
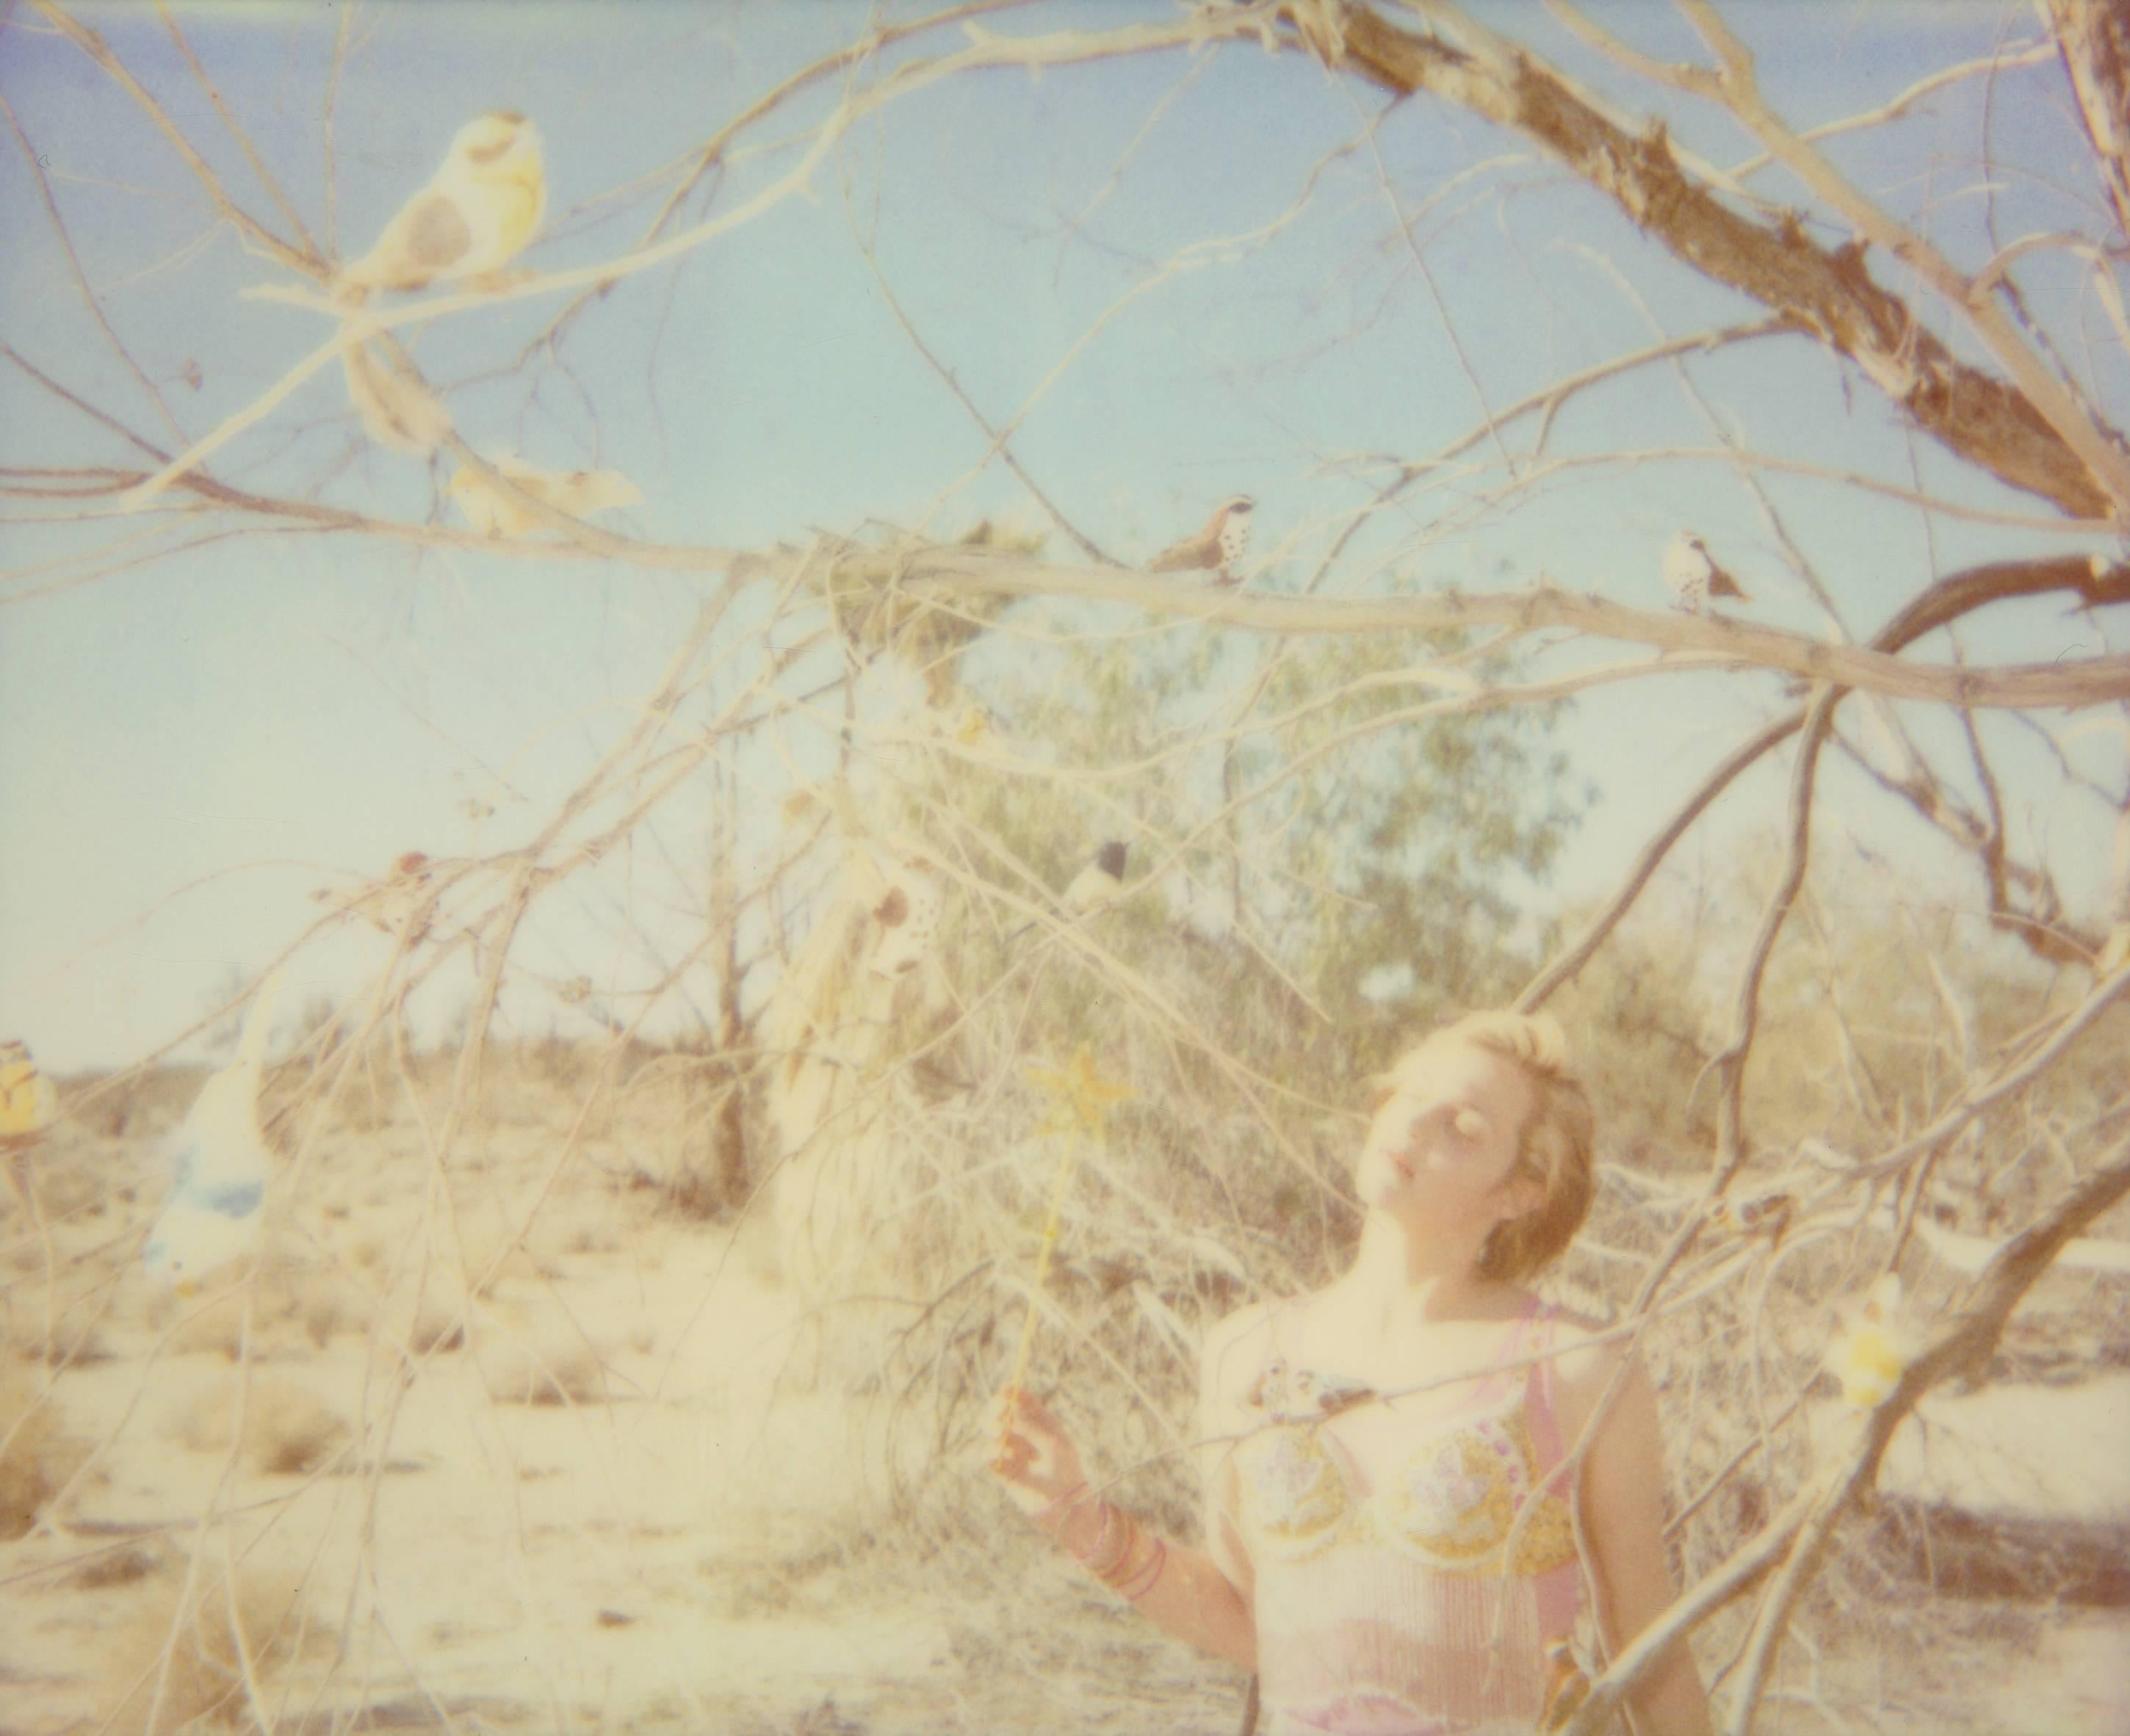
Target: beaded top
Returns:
[[1412, 1557]]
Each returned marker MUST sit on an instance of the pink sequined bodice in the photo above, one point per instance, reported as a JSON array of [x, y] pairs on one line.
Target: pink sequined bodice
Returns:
[[1412, 1557]]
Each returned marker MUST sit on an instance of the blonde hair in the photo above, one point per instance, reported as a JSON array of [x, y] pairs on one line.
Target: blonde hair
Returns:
[[1553, 1147]]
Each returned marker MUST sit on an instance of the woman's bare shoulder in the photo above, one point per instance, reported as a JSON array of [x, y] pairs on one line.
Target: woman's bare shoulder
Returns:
[[1589, 1352]]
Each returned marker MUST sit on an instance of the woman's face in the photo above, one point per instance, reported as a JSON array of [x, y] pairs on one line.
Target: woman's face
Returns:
[[1443, 1143]]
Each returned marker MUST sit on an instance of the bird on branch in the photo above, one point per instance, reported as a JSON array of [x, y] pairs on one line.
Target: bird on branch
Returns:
[[491, 512], [28, 1103], [1693, 577], [1098, 883], [1216, 548], [471, 219], [1874, 1346]]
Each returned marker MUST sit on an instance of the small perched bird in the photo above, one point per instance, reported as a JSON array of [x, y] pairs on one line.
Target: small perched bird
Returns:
[[1217, 547], [218, 1165], [1100, 881], [28, 1103], [1766, 1213], [579, 493], [1095, 885], [1873, 1347], [471, 219], [1692, 573], [393, 902]]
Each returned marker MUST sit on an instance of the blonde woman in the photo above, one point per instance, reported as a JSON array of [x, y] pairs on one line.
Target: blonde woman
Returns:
[[1391, 1507]]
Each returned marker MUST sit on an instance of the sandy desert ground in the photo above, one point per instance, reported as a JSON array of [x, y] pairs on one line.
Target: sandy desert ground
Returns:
[[615, 1490]]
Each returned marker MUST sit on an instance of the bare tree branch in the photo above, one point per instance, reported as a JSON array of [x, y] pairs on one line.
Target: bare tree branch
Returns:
[[2094, 38], [1980, 419]]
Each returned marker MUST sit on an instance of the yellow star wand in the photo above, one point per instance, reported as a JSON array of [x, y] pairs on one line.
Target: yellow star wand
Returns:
[[1080, 1102]]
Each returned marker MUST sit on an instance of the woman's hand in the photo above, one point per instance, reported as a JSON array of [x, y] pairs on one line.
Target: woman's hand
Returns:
[[1034, 1458]]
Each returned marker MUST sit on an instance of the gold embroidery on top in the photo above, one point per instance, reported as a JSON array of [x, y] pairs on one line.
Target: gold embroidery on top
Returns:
[[1453, 1504]]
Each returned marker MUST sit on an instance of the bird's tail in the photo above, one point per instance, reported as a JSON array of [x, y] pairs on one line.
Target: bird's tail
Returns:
[[397, 411], [259, 1021], [1720, 583], [1171, 560]]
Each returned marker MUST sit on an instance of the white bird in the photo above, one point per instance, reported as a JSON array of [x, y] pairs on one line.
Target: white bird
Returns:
[[1100, 881], [218, 1164], [1693, 576], [1095, 885], [579, 494], [471, 219]]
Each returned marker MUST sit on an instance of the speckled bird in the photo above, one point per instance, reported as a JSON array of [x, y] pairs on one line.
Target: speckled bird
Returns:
[[1217, 547]]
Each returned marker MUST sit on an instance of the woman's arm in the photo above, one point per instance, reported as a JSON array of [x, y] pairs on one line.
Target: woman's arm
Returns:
[[1180, 1590], [1200, 1595], [1623, 1521]]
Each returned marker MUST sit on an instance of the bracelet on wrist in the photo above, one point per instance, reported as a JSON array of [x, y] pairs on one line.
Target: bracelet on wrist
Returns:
[[1145, 1579]]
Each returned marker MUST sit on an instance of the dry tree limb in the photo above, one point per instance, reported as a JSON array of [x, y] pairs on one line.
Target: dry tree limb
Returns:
[[1797, 1538], [1063, 48], [2025, 436], [1956, 594], [94, 46], [296, 225], [997, 439], [2004, 60], [711, 152], [1964, 1343], [2094, 38], [1564, 969], [88, 296], [1736, 643], [2098, 446]]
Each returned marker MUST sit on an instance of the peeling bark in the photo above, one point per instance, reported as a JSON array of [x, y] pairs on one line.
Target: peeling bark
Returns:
[[1826, 292]]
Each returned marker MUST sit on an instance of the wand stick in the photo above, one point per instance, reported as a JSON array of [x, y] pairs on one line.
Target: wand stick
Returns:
[[1082, 1109]]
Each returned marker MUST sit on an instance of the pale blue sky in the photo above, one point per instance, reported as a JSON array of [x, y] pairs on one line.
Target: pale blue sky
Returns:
[[190, 746]]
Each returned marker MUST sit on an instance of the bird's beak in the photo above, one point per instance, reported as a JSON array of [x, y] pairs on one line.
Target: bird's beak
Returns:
[[187, 1287]]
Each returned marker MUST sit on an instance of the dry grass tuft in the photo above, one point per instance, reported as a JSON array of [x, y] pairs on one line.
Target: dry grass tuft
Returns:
[[439, 1323], [124, 1564], [288, 1430], [326, 1305], [212, 1639], [216, 1330], [550, 1371], [36, 1456]]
